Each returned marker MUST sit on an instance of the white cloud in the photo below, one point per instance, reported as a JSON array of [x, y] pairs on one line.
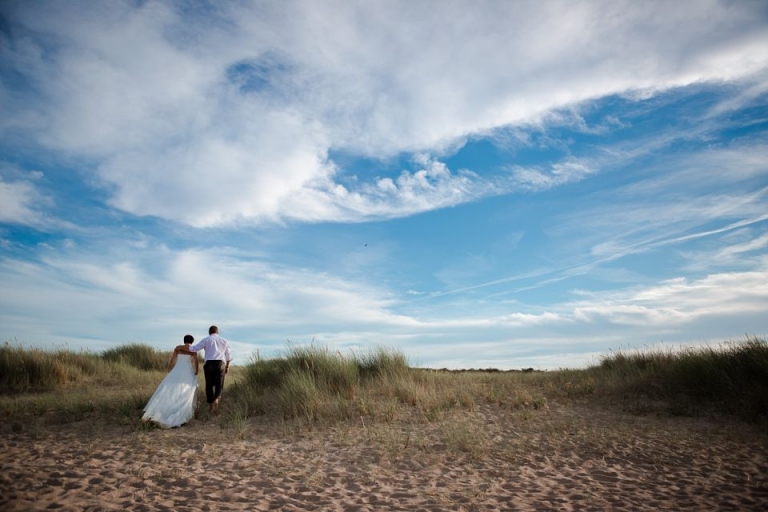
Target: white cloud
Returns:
[[680, 301], [18, 200], [217, 181], [739, 251], [432, 186], [568, 171], [229, 115], [749, 96], [120, 295]]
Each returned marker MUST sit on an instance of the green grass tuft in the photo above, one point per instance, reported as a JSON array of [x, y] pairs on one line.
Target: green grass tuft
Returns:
[[381, 362], [731, 377], [313, 383], [139, 356], [23, 370]]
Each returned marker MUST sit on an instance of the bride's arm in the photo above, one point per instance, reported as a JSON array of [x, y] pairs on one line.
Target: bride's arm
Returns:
[[173, 359]]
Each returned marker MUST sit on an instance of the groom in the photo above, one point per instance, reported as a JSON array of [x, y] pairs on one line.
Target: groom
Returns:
[[217, 359]]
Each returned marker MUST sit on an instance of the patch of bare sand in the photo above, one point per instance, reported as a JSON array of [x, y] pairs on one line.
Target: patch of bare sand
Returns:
[[565, 458]]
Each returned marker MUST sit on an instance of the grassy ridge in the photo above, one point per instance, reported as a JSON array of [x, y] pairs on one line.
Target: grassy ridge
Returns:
[[732, 377], [310, 386], [40, 388], [139, 356], [315, 383], [35, 370]]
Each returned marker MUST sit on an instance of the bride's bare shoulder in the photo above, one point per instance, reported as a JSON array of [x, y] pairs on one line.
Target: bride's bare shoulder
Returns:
[[182, 349]]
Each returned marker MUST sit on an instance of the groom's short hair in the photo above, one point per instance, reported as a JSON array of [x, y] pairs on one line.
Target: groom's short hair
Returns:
[[213, 330], [188, 339]]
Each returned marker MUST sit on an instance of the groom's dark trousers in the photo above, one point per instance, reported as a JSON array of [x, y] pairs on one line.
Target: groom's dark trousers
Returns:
[[214, 379]]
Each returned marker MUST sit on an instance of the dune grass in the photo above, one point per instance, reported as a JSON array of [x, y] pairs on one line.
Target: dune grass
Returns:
[[731, 377], [139, 356], [313, 383], [317, 384], [35, 370], [39, 387], [311, 387]]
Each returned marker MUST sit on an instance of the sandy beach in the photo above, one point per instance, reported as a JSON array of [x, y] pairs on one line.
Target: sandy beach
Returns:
[[567, 457]]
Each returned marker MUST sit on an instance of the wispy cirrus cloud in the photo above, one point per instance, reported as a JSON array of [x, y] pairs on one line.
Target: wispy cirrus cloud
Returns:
[[676, 199], [689, 204], [560, 173], [742, 248]]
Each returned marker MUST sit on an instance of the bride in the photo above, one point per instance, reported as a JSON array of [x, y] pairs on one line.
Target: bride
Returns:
[[173, 402]]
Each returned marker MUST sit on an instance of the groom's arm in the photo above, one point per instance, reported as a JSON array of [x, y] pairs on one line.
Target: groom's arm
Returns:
[[197, 346], [228, 357]]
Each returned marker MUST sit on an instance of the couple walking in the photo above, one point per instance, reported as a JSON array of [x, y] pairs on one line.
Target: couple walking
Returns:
[[173, 402]]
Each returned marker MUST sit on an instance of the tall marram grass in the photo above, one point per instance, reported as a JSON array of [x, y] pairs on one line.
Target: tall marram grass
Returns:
[[39, 387], [28, 370], [731, 377], [331, 370], [139, 356], [381, 362], [35, 370], [313, 383]]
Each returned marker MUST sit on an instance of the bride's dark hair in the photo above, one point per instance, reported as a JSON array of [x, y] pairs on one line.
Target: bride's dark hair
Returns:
[[188, 339]]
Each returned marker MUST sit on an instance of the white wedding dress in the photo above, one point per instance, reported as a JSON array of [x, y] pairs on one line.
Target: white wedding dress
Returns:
[[173, 402]]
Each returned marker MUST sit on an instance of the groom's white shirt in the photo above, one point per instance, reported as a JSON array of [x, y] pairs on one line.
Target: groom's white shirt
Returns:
[[216, 348]]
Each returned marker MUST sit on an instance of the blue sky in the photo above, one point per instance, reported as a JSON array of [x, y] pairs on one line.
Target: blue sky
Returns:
[[478, 184]]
